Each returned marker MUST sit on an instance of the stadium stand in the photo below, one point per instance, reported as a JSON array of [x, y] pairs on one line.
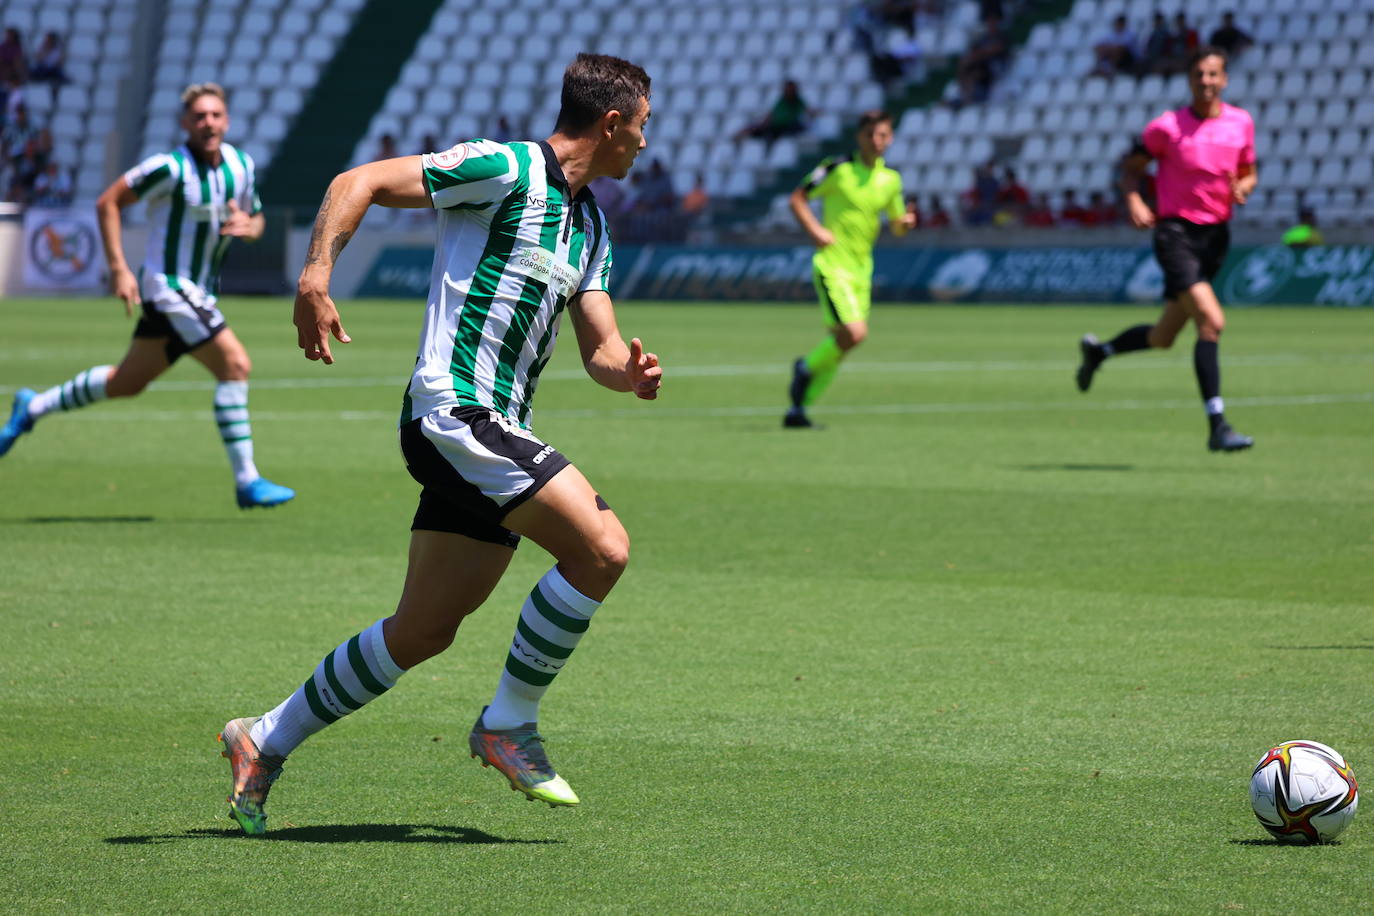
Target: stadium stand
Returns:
[[718, 64]]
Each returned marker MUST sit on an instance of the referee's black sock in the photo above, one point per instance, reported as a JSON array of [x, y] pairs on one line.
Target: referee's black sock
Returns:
[[1208, 371], [1129, 340]]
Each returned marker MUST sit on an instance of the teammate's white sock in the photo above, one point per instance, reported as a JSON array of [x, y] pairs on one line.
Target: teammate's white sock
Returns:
[[231, 413], [357, 672], [551, 623], [83, 390]]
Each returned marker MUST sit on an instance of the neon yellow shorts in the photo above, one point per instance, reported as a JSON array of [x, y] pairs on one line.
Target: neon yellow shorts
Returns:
[[846, 297]]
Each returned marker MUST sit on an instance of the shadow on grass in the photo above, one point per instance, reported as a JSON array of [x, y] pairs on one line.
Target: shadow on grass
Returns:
[[1273, 842], [339, 833], [1072, 467], [86, 519]]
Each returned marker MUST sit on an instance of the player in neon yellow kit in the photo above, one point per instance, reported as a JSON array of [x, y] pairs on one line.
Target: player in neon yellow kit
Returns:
[[854, 191]]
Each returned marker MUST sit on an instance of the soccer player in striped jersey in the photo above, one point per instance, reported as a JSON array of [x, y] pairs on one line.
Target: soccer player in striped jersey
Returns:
[[200, 196], [855, 191], [1205, 155], [520, 241]]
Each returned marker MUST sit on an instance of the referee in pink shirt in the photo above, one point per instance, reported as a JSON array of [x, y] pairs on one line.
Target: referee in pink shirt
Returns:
[[1205, 155]]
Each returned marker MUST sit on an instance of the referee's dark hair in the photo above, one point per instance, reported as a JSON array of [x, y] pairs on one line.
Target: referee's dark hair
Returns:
[[594, 84], [873, 116], [1204, 52]]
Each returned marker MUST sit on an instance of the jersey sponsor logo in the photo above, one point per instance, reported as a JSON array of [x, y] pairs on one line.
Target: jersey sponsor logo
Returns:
[[449, 158], [543, 203], [540, 264]]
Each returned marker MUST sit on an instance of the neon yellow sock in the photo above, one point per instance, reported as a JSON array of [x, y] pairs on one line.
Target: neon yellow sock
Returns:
[[823, 362]]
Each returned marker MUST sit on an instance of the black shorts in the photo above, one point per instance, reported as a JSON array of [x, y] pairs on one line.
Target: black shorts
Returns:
[[185, 318], [475, 466], [1189, 253]]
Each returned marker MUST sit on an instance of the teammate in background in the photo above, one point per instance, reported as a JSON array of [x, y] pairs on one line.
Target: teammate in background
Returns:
[[201, 196], [854, 190], [1206, 157], [520, 238]]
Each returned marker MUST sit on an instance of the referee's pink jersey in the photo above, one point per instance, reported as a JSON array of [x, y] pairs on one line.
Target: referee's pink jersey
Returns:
[[1196, 159]]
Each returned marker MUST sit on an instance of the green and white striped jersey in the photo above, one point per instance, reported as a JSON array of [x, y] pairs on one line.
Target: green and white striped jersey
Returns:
[[188, 201], [513, 247]]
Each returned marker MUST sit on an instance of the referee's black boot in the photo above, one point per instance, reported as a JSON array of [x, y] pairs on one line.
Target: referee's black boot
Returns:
[[1091, 348], [1226, 439], [796, 418]]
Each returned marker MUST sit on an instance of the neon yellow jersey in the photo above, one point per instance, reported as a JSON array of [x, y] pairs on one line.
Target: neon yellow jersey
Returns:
[[852, 196]]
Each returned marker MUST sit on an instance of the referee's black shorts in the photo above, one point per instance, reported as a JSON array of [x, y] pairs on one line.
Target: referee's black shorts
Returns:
[[1189, 252]]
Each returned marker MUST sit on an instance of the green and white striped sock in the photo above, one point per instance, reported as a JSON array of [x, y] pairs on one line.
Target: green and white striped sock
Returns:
[[551, 624], [231, 413], [84, 389], [354, 674]]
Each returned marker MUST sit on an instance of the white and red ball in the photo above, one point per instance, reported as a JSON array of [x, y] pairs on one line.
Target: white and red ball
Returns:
[[1303, 792]]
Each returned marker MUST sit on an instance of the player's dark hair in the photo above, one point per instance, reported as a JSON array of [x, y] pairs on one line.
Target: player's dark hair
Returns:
[[1204, 52], [597, 83], [873, 116]]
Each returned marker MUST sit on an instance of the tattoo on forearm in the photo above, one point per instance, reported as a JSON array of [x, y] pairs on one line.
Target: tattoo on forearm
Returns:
[[337, 245], [315, 252]]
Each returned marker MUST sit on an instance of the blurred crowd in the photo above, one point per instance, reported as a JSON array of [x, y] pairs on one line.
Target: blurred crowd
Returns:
[[29, 171]]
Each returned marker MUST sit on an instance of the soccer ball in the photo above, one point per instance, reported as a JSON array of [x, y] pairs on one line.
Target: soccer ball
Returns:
[[1303, 792]]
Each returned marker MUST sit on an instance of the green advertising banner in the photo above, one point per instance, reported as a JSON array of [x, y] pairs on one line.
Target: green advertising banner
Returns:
[[1341, 275]]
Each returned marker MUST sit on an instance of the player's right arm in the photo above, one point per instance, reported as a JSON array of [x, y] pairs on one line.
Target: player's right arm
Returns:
[[1132, 171], [123, 283], [388, 183], [799, 202]]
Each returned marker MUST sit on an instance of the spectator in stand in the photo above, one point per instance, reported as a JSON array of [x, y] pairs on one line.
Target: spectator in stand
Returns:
[[1182, 43], [938, 217], [1072, 213], [1116, 51], [1155, 57], [428, 144], [1039, 213], [982, 63], [502, 131], [913, 206], [1305, 234], [657, 194], [12, 65], [787, 116], [695, 201], [386, 148], [1228, 37], [12, 100], [610, 196], [49, 63], [1012, 196], [27, 167], [979, 202], [1101, 211], [53, 187], [19, 130]]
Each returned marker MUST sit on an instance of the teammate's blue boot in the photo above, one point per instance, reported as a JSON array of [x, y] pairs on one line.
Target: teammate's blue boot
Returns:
[[263, 492], [20, 422]]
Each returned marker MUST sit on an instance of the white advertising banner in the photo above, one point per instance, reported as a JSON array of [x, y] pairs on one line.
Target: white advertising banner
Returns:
[[62, 249]]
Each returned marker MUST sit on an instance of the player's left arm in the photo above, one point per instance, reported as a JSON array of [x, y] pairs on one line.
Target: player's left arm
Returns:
[[900, 217], [1243, 182], [242, 224], [608, 360]]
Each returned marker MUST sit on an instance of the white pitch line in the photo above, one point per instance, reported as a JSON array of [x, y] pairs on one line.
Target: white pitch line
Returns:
[[769, 370], [666, 412]]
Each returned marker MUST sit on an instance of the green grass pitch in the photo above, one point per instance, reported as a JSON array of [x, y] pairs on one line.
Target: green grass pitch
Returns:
[[983, 644]]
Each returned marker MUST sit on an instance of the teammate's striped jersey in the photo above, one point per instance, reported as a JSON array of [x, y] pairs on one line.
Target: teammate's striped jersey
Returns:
[[513, 247], [188, 201]]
